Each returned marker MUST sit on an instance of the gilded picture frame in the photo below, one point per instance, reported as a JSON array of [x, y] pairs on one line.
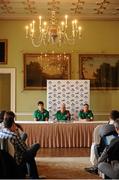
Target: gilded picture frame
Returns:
[[38, 68], [101, 69], [3, 51]]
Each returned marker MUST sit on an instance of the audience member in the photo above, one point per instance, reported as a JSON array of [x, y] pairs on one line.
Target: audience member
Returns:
[[2, 113], [110, 167], [2, 116], [19, 129], [63, 114], [105, 130], [23, 154], [100, 131], [85, 113], [41, 114]]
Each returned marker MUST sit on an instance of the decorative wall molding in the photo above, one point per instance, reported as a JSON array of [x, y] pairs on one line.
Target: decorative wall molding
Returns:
[[24, 113], [31, 113]]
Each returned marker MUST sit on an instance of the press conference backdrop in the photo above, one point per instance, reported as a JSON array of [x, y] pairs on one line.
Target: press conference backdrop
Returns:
[[74, 93]]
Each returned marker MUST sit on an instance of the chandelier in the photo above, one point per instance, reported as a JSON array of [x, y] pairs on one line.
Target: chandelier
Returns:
[[53, 32]]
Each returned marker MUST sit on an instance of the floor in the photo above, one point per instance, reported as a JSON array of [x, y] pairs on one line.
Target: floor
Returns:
[[64, 163], [64, 152]]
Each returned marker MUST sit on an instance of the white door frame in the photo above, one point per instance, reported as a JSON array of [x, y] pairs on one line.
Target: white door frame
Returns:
[[10, 71]]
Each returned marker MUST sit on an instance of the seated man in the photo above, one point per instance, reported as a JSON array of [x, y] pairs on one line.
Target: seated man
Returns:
[[85, 113], [41, 114], [63, 114], [101, 131], [19, 129], [110, 153], [22, 153], [109, 161], [111, 167]]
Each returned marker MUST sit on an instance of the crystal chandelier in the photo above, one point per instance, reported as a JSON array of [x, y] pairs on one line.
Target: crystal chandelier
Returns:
[[53, 32]]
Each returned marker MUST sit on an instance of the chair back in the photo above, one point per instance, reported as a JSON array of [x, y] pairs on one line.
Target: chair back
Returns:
[[105, 141], [6, 145]]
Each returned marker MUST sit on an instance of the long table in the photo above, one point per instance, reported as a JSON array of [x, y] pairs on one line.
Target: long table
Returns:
[[59, 135]]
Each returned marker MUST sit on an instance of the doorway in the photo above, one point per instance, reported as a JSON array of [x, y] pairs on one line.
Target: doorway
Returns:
[[7, 89]]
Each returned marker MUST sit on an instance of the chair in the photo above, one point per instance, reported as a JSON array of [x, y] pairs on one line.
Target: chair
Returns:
[[9, 169], [6, 145], [111, 167]]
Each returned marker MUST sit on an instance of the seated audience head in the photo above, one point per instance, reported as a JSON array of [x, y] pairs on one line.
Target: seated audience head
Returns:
[[9, 122], [113, 116], [116, 125], [85, 107], [40, 105], [2, 113], [9, 114], [63, 107]]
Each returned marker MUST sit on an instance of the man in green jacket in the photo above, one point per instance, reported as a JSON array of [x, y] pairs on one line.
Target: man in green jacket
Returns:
[[41, 114], [63, 115], [85, 113]]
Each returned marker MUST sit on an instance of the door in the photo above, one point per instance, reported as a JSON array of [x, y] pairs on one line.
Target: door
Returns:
[[5, 91]]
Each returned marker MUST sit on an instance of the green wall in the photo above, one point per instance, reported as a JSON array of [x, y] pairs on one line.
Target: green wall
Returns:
[[98, 37]]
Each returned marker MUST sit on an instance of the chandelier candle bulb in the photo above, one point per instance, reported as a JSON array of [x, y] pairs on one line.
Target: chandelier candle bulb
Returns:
[[79, 29], [45, 24], [40, 21], [75, 22], [32, 32], [43, 30], [73, 34], [30, 27], [66, 17], [33, 25], [62, 24], [27, 31], [73, 25]]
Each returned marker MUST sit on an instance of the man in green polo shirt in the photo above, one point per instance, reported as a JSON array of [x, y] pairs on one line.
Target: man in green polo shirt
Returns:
[[63, 114], [41, 114], [85, 113]]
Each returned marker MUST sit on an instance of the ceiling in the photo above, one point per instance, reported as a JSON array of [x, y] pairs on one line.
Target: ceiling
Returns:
[[82, 9]]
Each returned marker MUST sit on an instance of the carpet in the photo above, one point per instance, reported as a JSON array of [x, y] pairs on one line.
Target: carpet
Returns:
[[64, 168]]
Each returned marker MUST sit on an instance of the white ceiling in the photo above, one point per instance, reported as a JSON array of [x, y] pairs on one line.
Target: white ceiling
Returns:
[[83, 9]]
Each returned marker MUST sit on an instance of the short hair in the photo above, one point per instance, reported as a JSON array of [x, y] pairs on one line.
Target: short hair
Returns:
[[86, 104], [2, 113], [40, 102], [114, 114], [8, 119], [116, 123], [9, 114]]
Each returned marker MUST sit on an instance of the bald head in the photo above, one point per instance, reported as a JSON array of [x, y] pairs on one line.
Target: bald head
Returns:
[[63, 107]]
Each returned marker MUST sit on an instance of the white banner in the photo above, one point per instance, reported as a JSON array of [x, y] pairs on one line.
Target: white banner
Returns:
[[74, 93]]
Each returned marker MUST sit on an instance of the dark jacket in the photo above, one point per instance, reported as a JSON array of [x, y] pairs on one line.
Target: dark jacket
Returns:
[[111, 152], [107, 129]]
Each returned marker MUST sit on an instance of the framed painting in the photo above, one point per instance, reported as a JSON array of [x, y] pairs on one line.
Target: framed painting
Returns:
[[3, 51], [101, 69], [38, 68]]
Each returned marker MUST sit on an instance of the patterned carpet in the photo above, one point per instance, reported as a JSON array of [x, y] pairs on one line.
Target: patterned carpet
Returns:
[[64, 168]]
